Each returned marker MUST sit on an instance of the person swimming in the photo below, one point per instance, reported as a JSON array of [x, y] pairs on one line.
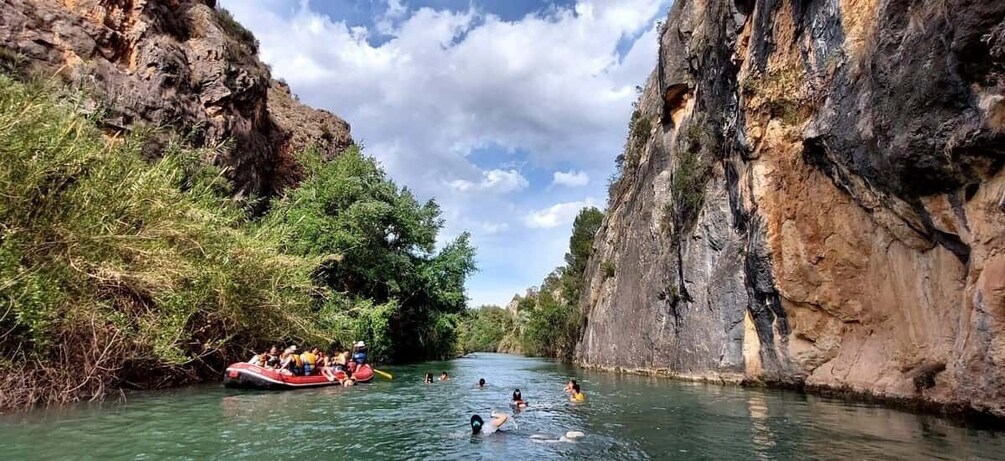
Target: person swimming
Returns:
[[518, 400], [428, 379], [577, 394], [568, 385], [444, 376], [481, 383], [479, 427]]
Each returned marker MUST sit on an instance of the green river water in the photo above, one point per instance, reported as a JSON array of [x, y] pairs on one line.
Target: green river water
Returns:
[[625, 417]]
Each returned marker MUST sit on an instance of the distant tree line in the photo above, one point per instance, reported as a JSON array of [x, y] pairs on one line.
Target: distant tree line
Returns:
[[545, 321]]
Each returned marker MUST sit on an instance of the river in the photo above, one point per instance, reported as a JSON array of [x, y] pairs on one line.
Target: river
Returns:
[[625, 417]]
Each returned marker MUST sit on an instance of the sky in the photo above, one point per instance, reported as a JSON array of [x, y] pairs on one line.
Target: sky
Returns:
[[509, 113]]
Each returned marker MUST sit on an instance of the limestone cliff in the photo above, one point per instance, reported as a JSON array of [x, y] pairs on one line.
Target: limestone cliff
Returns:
[[812, 195], [181, 64]]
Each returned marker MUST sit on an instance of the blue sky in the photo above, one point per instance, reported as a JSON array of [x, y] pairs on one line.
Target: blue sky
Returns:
[[509, 112]]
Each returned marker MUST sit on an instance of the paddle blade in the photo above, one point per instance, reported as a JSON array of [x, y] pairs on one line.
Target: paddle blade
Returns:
[[383, 373]]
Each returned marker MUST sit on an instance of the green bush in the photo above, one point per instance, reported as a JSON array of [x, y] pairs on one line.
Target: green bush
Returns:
[[608, 269], [109, 262]]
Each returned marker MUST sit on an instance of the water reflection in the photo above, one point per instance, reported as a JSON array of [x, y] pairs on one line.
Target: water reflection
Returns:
[[763, 438]]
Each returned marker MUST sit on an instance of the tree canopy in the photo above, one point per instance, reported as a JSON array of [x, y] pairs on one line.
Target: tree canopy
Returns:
[[378, 245]]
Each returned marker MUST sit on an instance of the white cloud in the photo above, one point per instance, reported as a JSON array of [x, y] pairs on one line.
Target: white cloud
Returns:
[[556, 215], [495, 181], [446, 82], [441, 86], [492, 228], [571, 178]]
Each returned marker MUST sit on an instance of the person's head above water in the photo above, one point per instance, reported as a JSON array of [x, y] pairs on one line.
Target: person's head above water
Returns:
[[481, 382], [575, 387], [476, 424], [428, 378], [517, 396]]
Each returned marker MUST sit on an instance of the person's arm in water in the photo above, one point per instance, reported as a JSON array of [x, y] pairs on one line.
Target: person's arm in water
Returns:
[[499, 419]]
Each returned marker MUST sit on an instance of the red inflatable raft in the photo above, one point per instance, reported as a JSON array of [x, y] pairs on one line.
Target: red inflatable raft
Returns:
[[248, 376], [363, 374]]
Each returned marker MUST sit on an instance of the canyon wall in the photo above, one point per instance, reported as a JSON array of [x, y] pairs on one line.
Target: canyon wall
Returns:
[[182, 66], [812, 195]]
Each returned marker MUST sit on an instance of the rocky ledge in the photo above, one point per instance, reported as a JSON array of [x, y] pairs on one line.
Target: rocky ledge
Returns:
[[179, 64]]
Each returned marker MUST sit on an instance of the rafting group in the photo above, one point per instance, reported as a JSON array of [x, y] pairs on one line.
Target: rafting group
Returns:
[[291, 369]]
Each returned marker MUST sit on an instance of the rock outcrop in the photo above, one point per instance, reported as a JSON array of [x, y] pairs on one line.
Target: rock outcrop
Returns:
[[181, 64], [812, 195]]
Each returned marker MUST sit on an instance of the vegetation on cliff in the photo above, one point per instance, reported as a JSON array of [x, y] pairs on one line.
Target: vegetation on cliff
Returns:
[[120, 272]]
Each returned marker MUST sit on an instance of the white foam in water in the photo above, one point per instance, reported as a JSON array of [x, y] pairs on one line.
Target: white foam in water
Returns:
[[570, 437]]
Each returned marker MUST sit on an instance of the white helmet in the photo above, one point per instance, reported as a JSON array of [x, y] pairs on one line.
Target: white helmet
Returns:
[[360, 344]]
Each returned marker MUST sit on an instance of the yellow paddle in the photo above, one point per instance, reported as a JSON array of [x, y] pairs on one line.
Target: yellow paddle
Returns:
[[383, 373]]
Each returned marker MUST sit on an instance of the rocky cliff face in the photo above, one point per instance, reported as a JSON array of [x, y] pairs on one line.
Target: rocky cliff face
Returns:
[[813, 195], [181, 64]]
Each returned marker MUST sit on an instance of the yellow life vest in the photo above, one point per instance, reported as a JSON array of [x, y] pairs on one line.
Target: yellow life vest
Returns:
[[309, 358], [298, 361], [579, 397]]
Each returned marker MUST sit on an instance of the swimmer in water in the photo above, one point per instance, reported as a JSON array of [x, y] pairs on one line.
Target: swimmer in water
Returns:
[[479, 427], [568, 385], [577, 394], [481, 383], [428, 379], [444, 376], [518, 400]]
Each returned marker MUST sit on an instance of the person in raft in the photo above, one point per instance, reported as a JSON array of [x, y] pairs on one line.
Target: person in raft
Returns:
[[568, 385], [479, 427], [341, 360], [428, 379], [290, 362], [357, 357], [518, 400], [444, 377], [359, 353], [261, 360], [329, 367], [272, 361], [481, 383], [577, 394], [309, 361]]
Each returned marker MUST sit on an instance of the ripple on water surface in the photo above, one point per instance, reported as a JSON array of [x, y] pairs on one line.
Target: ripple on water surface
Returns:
[[625, 417]]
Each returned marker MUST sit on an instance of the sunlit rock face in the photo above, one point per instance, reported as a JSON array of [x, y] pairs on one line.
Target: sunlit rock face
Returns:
[[813, 196], [172, 63]]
